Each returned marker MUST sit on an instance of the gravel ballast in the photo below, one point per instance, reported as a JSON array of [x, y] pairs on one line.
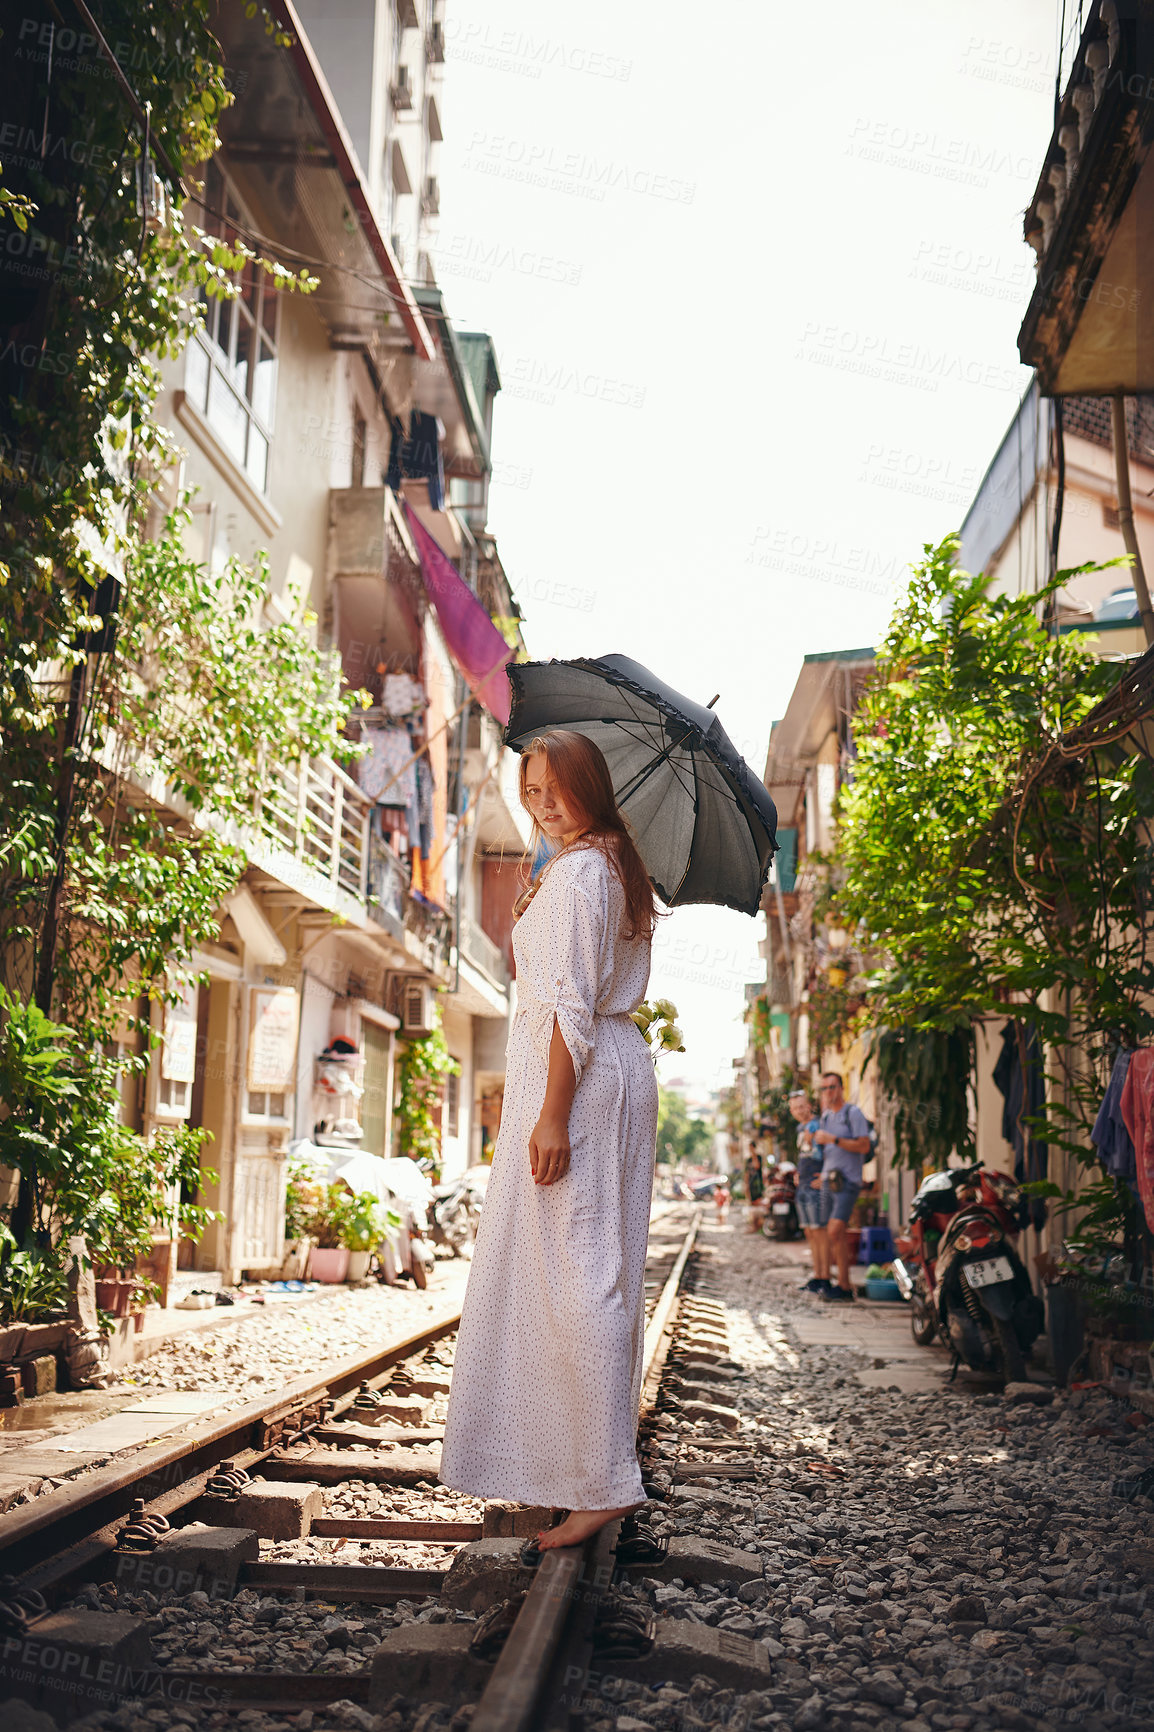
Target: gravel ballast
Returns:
[[936, 1561]]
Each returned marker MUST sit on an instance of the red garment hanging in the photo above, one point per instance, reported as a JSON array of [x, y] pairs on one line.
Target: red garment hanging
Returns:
[[1138, 1117]]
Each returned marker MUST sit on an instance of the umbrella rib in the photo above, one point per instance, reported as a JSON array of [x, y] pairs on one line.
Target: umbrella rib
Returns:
[[642, 776]]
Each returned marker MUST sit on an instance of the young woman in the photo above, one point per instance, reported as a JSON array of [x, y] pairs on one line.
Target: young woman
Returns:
[[543, 1407]]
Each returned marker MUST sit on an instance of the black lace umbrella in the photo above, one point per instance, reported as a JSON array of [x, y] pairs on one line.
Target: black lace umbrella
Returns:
[[703, 821]]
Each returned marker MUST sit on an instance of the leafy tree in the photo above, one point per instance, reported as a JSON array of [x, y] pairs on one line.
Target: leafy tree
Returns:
[[103, 282], [681, 1138], [82, 1171], [993, 853], [130, 679], [971, 688]]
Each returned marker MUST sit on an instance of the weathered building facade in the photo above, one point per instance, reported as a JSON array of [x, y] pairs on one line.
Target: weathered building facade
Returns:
[[317, 431]]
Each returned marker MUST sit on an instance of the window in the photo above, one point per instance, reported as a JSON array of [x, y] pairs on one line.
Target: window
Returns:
[[173, 1098], [265, 1107], [230, 369], [452, 1104]]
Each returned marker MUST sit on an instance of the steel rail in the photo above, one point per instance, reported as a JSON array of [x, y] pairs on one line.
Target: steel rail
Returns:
[[555, 1623], [72, 1524]]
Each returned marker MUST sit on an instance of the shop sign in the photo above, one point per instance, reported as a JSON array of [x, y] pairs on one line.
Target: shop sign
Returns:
[[272, 1042], [178, 1056]]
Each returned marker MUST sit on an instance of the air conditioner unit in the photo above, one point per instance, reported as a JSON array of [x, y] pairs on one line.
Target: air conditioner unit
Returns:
[[417, 1008]]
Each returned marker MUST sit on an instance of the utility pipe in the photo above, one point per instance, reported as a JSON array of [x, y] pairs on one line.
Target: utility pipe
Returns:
[[1126, 516]]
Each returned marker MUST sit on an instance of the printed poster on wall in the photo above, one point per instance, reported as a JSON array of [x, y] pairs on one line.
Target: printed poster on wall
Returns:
[[272, 1043]]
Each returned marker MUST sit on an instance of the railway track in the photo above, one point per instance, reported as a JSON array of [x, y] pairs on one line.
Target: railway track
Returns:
[[126, 1524]]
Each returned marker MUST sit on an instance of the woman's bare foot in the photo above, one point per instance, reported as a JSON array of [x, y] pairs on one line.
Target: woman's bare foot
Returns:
[[580, 1525]]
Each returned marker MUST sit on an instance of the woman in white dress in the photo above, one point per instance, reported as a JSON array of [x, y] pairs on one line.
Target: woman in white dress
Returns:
[[547, 1378]]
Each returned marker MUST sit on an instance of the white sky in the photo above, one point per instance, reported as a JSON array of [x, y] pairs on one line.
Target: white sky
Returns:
[[753, 368]]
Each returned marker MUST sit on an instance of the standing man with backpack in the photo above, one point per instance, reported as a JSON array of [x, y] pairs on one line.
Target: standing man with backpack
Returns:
[[845, 1137]]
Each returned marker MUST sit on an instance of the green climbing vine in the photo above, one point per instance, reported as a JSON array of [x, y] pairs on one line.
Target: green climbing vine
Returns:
[[422, 1066]]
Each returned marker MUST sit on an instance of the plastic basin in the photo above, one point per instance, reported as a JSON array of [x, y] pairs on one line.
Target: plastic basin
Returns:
[[883, 1289]]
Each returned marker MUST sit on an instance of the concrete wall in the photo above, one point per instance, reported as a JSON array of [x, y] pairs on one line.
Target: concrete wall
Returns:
[[456, 1152], [1023, 562]]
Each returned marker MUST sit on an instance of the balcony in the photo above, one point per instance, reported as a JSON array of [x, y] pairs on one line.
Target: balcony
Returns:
[[316, 814], [316, 830], [1089, 328], [401, 91], [479, 949]]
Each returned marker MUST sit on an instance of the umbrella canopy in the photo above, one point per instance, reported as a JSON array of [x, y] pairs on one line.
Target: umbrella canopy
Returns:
[[704, 823]]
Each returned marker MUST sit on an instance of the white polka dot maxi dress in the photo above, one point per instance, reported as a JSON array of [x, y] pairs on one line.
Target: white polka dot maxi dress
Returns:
[[547, 1375]]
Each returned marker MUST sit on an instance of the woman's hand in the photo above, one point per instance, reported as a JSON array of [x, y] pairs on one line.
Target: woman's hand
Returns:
[[549, 1149]]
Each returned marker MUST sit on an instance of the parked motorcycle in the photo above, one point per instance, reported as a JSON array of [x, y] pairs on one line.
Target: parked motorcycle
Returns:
[[455, 1212], [781, 1220], [964, 1278]]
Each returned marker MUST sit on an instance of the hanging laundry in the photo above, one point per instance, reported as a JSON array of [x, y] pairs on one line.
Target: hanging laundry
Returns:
[[391, 824], [421, 456], [1138, 1114], [1110, 1135], [473, 641], [401, 695], [1023, 1087], [413, 817], [393, 475], [425, 804], [385, 773]]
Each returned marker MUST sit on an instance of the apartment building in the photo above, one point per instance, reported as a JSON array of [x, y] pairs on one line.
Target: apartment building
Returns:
[[327, 433]]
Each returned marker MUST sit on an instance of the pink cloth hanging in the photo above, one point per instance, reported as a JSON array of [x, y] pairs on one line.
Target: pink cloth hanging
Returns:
[[1138, 1117]]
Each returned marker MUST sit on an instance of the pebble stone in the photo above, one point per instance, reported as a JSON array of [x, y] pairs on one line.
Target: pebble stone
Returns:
[[939, 1562]]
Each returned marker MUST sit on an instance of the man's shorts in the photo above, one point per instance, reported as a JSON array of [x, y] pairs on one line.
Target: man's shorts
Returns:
[[808, 1203], [837, 1205]]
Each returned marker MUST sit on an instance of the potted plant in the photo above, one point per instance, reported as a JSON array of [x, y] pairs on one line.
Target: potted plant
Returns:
[[83, 1173], [327, 1225], [33, 1303], [365, 1227], [304, 1194]]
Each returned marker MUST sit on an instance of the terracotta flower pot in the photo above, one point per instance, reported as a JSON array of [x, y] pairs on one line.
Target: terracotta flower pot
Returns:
[[328, 1263], [115, 1296]]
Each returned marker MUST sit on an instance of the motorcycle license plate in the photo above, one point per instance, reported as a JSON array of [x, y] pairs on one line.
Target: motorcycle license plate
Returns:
[[781, 1208], [987, 1273]]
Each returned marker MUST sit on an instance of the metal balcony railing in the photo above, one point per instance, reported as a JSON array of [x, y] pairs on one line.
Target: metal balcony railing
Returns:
[[477, 947], [314, 811]]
